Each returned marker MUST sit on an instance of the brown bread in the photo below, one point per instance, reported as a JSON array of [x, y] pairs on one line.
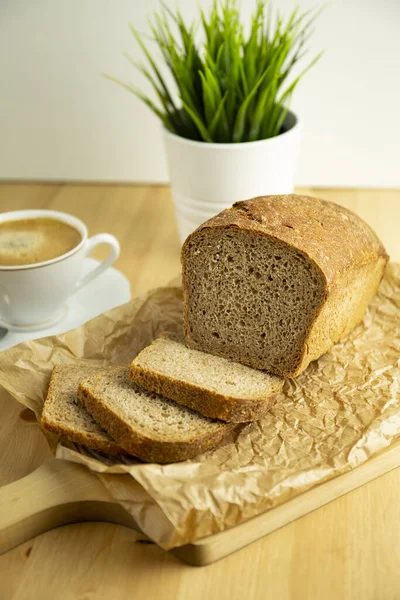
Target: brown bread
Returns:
[[214, 386], [275, 281], [147, 425], [64, 415]]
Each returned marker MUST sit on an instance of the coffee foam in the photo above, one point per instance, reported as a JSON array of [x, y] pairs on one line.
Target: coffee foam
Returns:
[[31, 241], [18, 243]]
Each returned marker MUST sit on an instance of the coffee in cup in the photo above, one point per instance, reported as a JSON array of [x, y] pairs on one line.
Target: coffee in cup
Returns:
[[41, 260], [31, 241]]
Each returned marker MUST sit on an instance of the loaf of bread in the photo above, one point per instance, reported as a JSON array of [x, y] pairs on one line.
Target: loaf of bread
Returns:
[[275, 281]]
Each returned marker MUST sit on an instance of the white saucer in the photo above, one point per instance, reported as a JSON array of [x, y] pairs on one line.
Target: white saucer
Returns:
[[108, 290], [60, 315]]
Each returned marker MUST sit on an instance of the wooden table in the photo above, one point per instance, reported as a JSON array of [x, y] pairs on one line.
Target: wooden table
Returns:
[[348, 549]]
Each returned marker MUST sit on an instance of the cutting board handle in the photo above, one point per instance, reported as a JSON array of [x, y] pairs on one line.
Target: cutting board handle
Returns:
[[57, 493]]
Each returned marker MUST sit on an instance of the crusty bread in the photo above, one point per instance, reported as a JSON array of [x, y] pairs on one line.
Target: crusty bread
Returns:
[[147, 425], [214, 386], [64, 415], [275, 281]]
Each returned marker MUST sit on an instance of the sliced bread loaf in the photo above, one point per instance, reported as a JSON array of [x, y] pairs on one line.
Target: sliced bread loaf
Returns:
[[214, 386], [64, 415], [147, 425], [275, 281]]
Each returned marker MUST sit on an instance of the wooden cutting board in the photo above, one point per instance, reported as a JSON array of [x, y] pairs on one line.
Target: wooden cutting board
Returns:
[[60, 492]]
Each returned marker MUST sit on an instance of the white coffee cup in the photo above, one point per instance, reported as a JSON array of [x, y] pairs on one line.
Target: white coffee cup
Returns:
[[33, 296]]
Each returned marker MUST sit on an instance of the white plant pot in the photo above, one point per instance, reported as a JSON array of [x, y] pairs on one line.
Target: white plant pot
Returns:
[[207, 178]]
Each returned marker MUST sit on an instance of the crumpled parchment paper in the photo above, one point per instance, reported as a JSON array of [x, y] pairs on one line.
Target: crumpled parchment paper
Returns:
[[342, 410]]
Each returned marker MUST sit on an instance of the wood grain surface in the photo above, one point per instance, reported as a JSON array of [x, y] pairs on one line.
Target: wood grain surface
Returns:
[[346, 550]]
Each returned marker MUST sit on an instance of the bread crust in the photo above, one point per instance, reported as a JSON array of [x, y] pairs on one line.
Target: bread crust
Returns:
[[345, 250], [88, 440]]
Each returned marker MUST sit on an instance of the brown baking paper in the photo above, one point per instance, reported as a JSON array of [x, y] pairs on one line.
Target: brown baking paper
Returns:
[[341, 411]]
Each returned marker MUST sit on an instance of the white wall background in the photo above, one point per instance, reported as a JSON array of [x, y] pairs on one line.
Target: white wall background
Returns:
[[60, 120]]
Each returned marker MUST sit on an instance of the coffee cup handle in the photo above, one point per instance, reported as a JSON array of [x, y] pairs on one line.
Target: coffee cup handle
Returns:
[[96, 240]]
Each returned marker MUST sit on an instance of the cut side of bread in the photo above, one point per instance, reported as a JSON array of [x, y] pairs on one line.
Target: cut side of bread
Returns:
[[275, 281], [145, 424], [64, 414], [214, 386]]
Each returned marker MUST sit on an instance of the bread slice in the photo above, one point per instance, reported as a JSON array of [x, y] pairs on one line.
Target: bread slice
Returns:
[[147, 425], [64, 415], [214, 386], [275, 281]]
